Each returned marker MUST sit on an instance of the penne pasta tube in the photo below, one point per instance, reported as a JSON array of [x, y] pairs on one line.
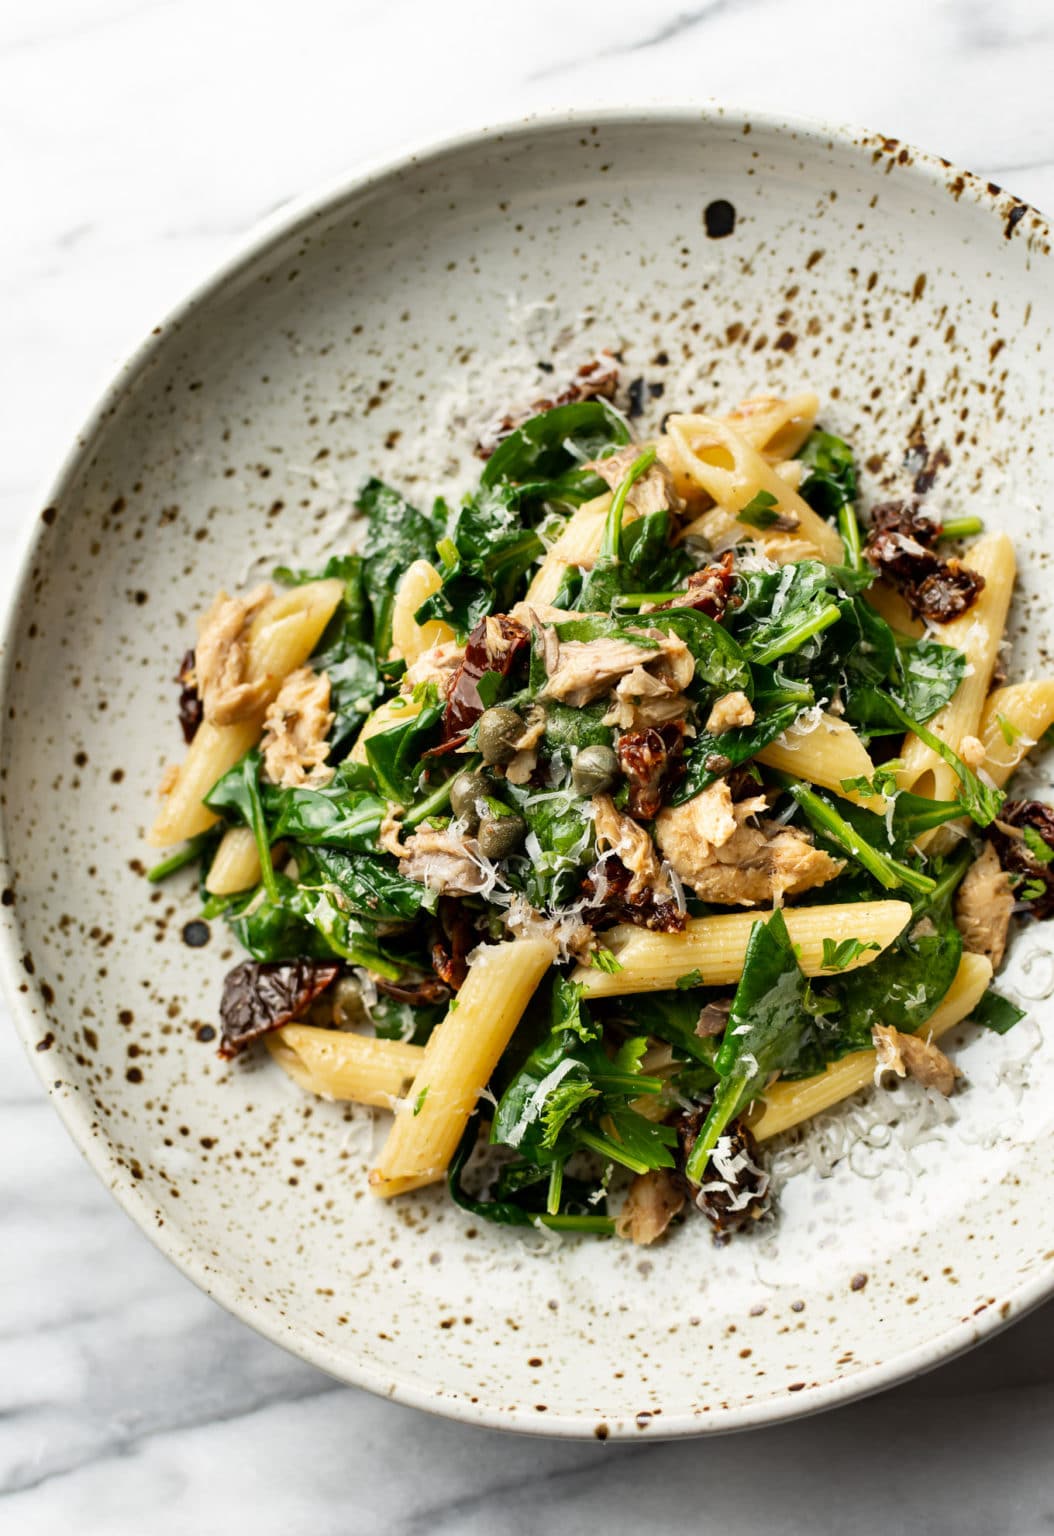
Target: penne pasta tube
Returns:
[[776, 427], [281, 638], [236, 866], [826, 755], [578, 544], [978, 633], [1013, 720], [346, 1067], [788, 1104], [734, 474], [459, 1059], [716, 946], [418, 582]]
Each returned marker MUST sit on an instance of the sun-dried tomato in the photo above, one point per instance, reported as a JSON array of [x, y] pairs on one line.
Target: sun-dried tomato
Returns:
[[495, 645], [191, 710], [651, 761], [259, 997], [709, 590]]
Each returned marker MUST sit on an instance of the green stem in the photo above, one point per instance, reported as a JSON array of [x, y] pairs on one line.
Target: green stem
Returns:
[[731, 1091], [849, 528], [611, 543], [188, 854], [603, 1225], [556, 1189], [610, 1149], [795, 638], [945, 886], [638, 599], [961, 527], [888, 872]]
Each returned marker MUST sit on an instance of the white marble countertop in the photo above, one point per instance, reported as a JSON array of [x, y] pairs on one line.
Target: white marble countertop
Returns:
[[141, 138]]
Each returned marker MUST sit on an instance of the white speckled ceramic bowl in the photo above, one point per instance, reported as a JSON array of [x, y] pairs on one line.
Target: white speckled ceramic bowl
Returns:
[[375, 329]]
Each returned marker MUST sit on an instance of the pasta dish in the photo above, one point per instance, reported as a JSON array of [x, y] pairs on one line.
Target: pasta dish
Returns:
[[620, 818]]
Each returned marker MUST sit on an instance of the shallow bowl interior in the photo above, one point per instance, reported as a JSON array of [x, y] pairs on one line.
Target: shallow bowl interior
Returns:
[[377, 331]]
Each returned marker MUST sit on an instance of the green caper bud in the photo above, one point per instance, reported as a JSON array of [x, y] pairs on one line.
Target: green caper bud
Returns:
[[498, 836], [594, 771], [499, 730], [467, 790]]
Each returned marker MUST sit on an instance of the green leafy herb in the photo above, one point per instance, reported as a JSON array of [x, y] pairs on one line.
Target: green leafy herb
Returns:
[[419, 1102], [1041, 851], [997, 1012], [758, 512], [839, 955], [689, 979], [604, 960], [1007, 729]]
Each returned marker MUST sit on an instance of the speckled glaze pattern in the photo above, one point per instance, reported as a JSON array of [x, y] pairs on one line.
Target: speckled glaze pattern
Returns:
[[377, 329]]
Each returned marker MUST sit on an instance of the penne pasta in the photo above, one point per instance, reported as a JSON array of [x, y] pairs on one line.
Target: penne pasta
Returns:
[[281, 638], [1013, 721], [236, 866], [419, 581], [578, 545], [788, 1104], [458, 1061], [342, 1066], [978, 633], [734, 474], [825, 754], [776, 427], [715, 946]]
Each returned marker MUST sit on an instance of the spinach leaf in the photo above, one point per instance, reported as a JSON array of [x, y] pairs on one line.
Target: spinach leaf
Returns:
[[369, 885], [904, 985], [345, 813], [767, 1029], [711, 756], [997, 1012], [924, 675], [395, 754], [486, 551], [396, 535], [672, 1016], [560, 847], [844, 831], [567, 727], [293, 920], [604, 582], [829, 483], [556, 442], [238, 794]]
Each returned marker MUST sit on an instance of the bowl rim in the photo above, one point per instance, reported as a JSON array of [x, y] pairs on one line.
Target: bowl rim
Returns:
[[75, 1113]]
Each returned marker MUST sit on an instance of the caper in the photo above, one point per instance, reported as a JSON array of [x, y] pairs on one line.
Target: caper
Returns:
[[467, 790], [595, 770], [498, 836], [499, 730]]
